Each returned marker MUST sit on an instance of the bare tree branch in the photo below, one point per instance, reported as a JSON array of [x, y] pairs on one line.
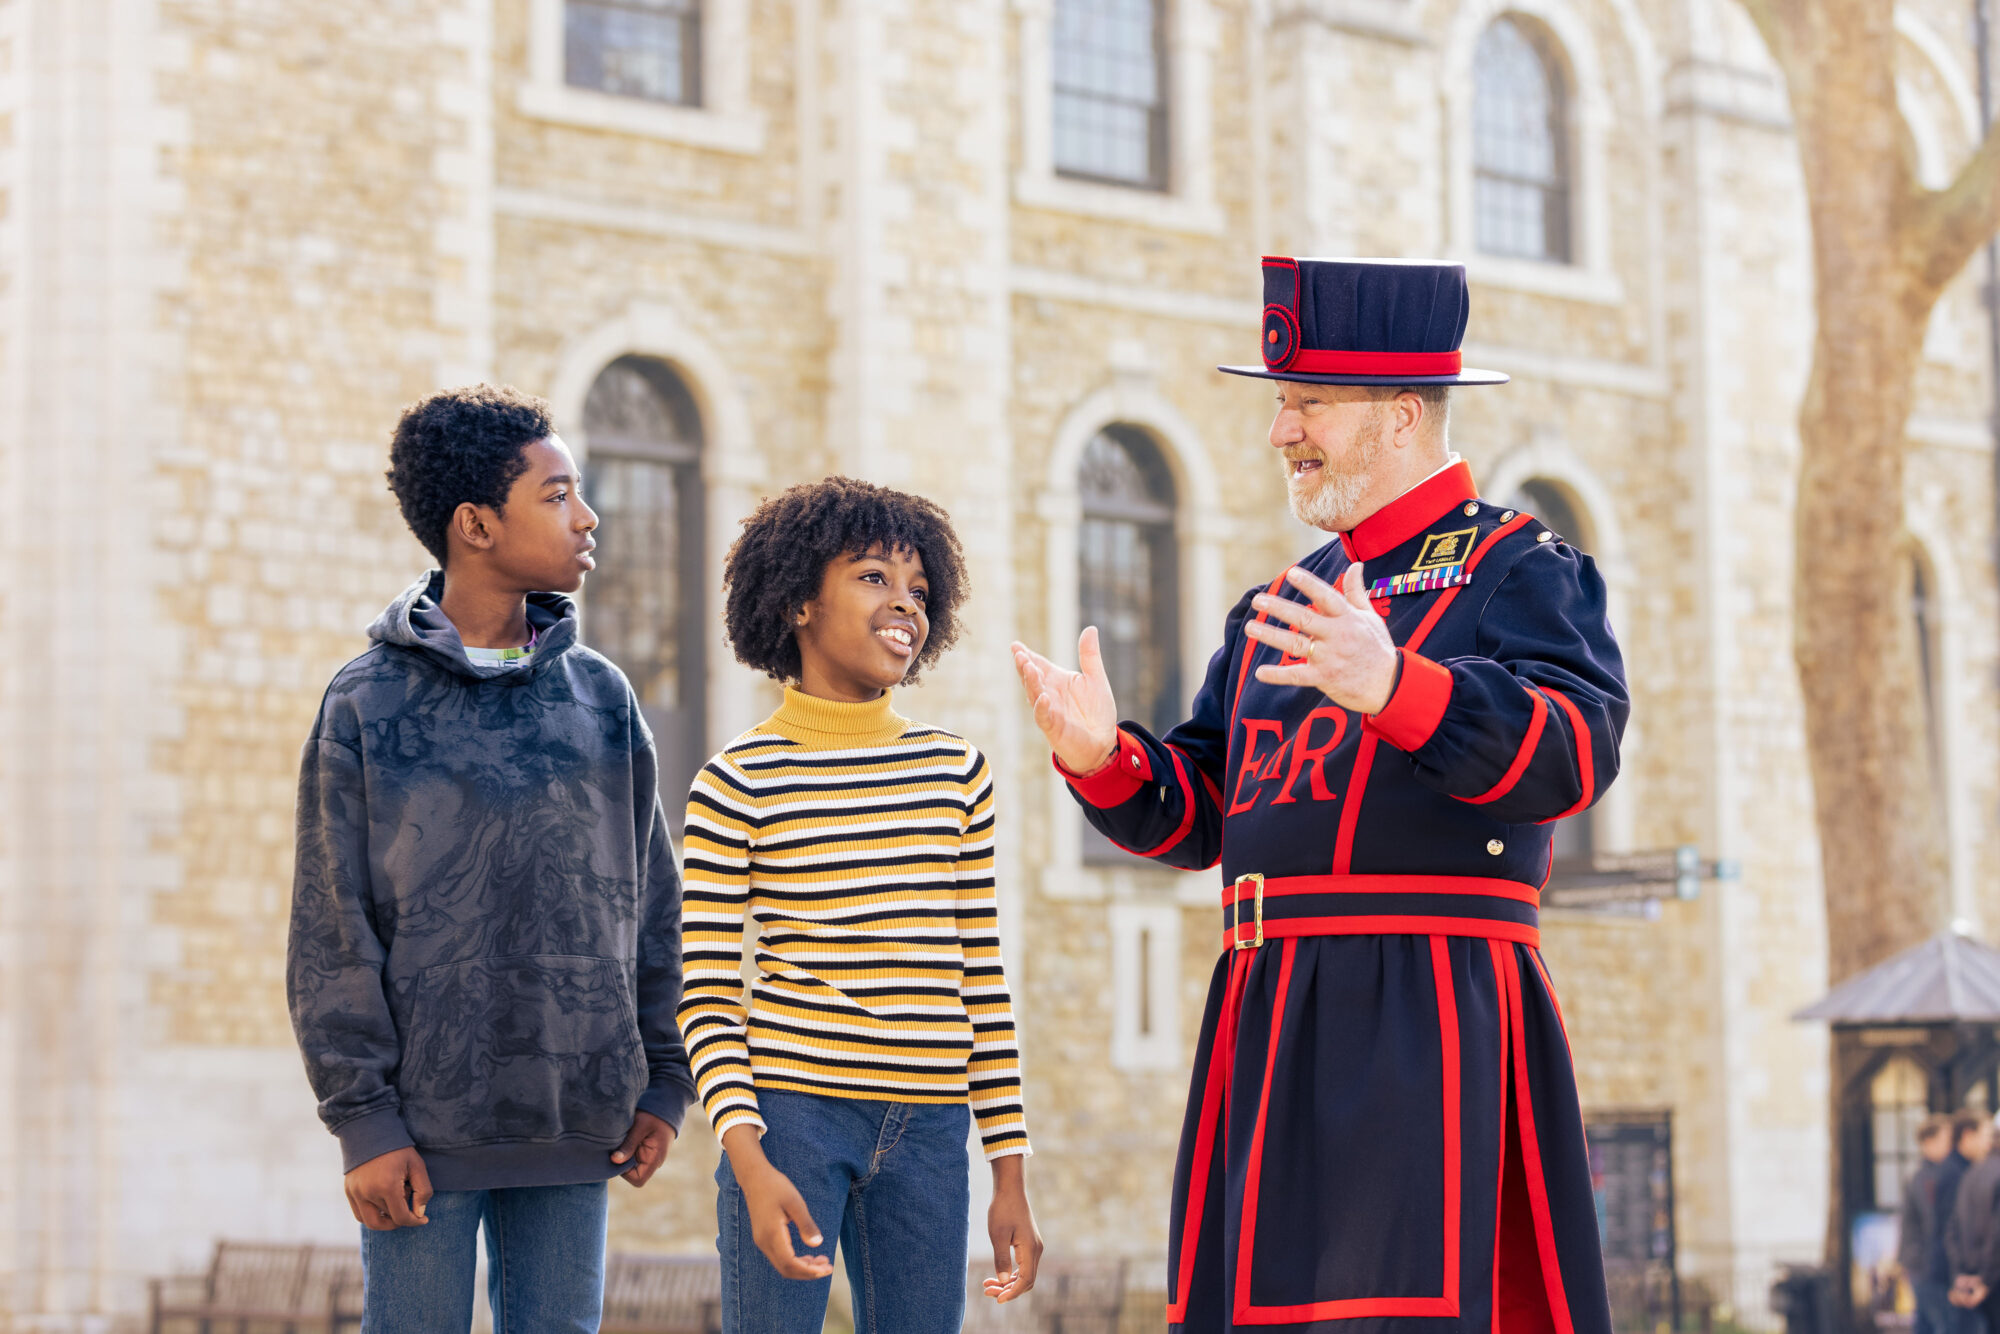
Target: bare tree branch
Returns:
[[1764, 13], [1950, 224]]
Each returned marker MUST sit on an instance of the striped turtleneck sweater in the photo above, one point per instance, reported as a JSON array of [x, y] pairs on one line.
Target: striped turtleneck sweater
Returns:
[[862, 845]]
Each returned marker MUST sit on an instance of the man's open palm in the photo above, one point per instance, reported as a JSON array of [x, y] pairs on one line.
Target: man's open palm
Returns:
[[1075, 710]]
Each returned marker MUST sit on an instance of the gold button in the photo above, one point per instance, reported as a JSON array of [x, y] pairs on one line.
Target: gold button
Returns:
[[1545, 537], [1508, 515], [1471, 507], [1495, 846]]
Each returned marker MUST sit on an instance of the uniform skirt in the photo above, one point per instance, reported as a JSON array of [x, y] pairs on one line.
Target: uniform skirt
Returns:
[[1383, 1134]]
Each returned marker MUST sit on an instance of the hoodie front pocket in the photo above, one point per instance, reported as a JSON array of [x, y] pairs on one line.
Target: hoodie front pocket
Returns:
[[528, 1047]]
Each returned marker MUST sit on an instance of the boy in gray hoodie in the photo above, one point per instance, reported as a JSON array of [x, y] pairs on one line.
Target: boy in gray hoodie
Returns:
[[485, 948]]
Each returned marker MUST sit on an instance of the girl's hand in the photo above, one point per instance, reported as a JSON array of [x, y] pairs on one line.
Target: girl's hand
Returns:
[[775, 1207], [1010, 1224]]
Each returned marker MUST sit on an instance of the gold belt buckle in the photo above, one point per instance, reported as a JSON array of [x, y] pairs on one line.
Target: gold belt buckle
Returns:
[[1236, 930]]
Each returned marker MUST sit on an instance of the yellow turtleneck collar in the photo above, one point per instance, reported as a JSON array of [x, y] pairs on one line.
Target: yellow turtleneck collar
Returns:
[[811, 720]]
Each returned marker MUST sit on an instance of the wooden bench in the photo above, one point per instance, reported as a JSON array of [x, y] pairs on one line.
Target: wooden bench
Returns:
[[258, 1282], [662, 1294]]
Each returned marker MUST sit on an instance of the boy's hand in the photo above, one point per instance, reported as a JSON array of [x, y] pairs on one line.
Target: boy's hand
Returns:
[[646, 1144], [775, 1206], [391, 1191], [1010, 1224]]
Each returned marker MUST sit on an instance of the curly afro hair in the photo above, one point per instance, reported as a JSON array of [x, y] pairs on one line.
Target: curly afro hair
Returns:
[[776, 564], [459, 446]]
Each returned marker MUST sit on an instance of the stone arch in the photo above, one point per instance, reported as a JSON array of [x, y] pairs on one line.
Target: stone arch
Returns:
[[1591, 114], [1136, 402], [1951, 74], [1947, 611], [1132, 400], [733, 467], [1551, 461]]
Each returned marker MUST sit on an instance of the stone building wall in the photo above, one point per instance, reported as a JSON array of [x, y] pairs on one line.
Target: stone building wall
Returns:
[[236, 238]]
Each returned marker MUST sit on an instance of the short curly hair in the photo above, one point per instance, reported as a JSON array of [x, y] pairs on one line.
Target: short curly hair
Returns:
[[776, 565], [459, 446]]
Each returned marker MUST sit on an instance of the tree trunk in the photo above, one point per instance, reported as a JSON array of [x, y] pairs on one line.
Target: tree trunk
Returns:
[[1882, 836], [1883, 250], [1881, 832]]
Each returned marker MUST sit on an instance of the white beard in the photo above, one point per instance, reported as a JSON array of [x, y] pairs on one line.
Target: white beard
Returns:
[[1332, 503]]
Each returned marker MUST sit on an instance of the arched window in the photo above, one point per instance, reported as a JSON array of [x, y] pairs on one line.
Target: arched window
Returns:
[[1520, 143], [1574, 840], [1924, 613], [1109, 115], [1129, 579], [1898, 1101], [644, 605], [634, 48]]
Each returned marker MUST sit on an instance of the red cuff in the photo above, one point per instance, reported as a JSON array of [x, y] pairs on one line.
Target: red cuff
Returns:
[[1417, 705], [1117, 782]]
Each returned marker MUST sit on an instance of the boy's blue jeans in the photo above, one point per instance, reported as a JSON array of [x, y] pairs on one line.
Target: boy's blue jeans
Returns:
[[544, 1259], [889, 1179]]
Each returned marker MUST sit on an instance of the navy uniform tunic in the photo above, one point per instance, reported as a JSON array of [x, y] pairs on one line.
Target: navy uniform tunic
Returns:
[[1383, 1130]]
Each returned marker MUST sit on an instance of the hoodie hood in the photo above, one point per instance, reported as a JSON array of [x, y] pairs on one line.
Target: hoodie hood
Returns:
[[415, 621]]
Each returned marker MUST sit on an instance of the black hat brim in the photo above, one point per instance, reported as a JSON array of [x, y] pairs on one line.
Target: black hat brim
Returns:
[[1468, 376]]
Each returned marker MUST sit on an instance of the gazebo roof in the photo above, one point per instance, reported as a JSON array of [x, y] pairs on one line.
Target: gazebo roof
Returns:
[[1949, 978]]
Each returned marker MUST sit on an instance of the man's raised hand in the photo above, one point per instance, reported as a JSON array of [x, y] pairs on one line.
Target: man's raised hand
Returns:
[[1347, 652], [1075, 710]]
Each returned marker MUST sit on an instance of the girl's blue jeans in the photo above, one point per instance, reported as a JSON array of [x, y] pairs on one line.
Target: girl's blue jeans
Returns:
[[890, 1180]]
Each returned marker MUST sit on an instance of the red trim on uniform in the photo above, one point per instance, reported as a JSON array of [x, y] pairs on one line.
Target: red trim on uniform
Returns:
[[1246, 1243], [1285, 262], [1550, 983], [1221, 1058], [1278, 886], [1585, 776], [1330, 361], [1365, 755], [1187, 809], [1243, 671], [1214, 792], [1479, 553], [1526, 753], [1531, 1156], [1453, 1070], [1410, 513], [1352, 1308], [1118, 781], [1500, 1176], [1350, 814], [1416, 706], [1477, 928], [1446, 1304], [1293, 338]]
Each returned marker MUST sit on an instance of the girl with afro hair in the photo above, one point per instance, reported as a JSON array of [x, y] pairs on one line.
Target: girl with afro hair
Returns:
[[855, 848]]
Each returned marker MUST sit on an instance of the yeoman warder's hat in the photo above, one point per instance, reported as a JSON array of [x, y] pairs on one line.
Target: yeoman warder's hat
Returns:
[[1364, 321]]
